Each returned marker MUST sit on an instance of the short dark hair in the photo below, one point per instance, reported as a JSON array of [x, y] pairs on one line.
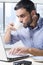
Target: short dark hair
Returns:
[[27, 4]]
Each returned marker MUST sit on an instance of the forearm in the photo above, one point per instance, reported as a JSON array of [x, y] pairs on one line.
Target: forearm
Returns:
[[7, 36], [36, 52]]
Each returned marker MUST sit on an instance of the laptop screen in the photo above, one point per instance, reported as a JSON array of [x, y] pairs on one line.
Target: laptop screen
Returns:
[[2, 50]]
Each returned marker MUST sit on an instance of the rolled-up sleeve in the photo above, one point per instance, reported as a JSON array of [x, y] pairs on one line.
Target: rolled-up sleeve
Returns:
[[14, 37]]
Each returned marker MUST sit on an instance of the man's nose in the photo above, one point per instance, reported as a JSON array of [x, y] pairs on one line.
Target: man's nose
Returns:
[[21, 20]]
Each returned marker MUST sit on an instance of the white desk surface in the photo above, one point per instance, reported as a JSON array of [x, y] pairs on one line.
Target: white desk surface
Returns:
[[33, 62]]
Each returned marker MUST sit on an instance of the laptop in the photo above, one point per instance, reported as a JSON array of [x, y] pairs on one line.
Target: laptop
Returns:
[[8, 57]]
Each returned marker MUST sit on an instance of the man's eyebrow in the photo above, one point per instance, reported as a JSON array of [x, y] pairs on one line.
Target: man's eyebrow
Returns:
[[21, 15]]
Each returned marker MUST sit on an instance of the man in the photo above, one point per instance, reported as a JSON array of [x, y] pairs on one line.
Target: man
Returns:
[[32, 32]]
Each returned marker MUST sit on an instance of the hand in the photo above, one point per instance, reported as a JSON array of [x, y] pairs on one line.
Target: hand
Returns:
[[22, 50], [7, 36], [11, 26]]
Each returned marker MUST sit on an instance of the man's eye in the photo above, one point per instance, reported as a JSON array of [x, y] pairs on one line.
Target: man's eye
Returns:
[[22, 16]]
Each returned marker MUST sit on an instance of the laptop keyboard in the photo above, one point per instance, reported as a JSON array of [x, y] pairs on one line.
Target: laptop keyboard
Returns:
[[15, 55]]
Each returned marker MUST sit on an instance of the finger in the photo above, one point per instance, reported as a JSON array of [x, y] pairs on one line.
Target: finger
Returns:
[[23, 51], [11, 51], [12, 24], [20, 52], [16, 51]]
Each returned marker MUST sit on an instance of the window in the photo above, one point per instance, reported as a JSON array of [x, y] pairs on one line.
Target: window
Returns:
[[10, 15], [1, 17], [40, 9]]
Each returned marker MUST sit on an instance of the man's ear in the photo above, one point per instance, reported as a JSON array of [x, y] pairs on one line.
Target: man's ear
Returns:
[[33, 12], [34, 16]]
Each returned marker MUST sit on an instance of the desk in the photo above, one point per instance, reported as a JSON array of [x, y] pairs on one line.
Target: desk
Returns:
[[6, 63]]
